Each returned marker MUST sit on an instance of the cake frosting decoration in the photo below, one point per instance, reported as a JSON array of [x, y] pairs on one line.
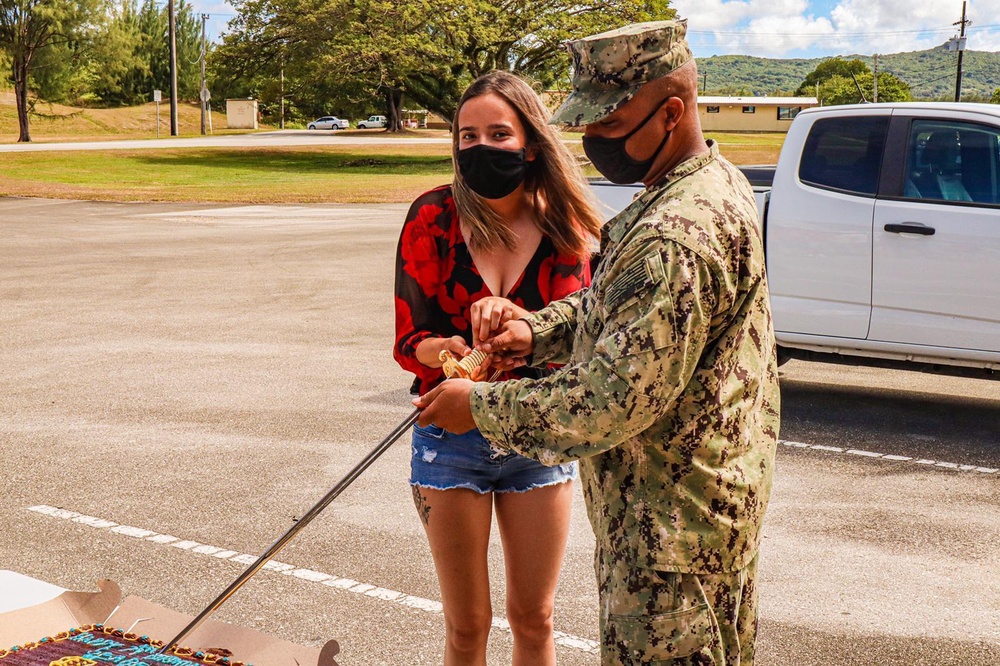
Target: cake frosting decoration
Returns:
[[97, 645]]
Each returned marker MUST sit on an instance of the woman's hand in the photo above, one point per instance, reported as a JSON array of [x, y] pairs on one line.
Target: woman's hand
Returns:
[[489, 314], [429, 350]]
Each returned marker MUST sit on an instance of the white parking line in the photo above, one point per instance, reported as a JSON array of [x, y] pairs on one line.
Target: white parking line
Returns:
[[392, 596], [308, 575], [886, 456]]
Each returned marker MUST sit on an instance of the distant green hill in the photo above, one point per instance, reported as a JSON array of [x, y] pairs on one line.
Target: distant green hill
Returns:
[[930, 73]]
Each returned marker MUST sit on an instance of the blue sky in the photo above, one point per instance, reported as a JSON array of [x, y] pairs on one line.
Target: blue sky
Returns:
[[219, 13], [798, 28], [820, 28]]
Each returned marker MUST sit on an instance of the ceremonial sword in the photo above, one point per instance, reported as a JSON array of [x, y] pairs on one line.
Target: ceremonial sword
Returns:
[[466, 368]]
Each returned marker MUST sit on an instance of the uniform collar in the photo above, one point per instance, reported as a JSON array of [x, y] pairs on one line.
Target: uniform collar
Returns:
[[621, 223]]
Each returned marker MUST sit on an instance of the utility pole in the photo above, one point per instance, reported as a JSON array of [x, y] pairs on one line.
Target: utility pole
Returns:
[[961, 51], [172, 36], [281, 121], [704, 85], [875, 81], [203, 93]]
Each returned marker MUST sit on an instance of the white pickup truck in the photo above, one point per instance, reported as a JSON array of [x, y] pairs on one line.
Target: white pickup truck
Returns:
[[372, 122], [882, 234]]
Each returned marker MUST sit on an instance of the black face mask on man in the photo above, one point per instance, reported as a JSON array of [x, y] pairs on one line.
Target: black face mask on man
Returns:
[[490, 172], [610, 157]]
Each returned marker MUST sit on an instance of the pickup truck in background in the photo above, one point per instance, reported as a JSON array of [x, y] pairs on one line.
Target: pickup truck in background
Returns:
[[372, 122], [881, 229]]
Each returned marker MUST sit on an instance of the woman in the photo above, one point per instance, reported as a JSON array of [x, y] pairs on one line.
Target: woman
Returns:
[[517, 223]]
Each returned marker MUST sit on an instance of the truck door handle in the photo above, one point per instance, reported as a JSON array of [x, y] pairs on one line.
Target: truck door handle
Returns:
[[910, 228]]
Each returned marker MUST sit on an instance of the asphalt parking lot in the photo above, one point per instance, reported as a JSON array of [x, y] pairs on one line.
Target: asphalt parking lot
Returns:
[[209, 373]]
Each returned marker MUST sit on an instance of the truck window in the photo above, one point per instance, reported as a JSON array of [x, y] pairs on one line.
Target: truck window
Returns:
[[953, 161], [845, 153]]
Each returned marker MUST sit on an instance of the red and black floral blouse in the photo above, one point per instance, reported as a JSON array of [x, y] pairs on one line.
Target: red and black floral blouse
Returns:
[[437, 283]]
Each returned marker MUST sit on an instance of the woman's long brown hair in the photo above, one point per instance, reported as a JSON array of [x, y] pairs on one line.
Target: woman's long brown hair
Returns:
[[565, 209]]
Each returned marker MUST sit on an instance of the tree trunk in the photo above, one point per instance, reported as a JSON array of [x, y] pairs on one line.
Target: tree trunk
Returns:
[[393, 110], [390, 110], [20, 71], [397, 100]]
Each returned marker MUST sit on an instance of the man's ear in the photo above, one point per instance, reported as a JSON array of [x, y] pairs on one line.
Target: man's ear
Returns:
[[675, 111]]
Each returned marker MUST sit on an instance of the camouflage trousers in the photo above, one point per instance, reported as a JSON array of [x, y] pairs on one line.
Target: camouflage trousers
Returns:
[[651, 617]]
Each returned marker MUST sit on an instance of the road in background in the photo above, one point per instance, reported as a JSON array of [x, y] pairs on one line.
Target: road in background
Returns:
[[260, 139], [206, 373]]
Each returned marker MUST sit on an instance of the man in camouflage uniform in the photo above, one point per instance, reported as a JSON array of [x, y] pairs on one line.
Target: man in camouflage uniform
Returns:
[[669, 396]]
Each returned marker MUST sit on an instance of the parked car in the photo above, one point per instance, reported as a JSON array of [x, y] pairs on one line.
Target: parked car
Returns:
[[372, 122], [329, 122], [882, 234]]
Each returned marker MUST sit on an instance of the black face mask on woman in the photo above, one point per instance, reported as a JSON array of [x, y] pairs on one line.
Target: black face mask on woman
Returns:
[[610, 157], [490, 172]]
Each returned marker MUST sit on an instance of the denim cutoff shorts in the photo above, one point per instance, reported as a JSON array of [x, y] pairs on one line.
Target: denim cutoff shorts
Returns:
[[443, 461]]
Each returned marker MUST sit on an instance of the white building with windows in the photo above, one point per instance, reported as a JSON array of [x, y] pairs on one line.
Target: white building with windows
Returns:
[[750, 114]]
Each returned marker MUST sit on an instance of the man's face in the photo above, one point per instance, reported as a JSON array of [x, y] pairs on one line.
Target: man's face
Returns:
[[642, 144]]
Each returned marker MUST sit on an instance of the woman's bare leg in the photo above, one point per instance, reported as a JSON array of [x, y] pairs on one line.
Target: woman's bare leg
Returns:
[[457, 523], [534, 526]]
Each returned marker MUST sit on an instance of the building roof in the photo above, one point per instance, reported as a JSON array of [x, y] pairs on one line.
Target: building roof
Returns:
[[761, 101]]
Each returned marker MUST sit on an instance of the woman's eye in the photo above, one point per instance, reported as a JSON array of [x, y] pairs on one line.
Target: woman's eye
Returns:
[[468, 136]]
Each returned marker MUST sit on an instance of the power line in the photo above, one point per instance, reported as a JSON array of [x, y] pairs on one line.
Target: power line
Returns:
[[923, 83], [747, 33], [872, 33], [888, 68]]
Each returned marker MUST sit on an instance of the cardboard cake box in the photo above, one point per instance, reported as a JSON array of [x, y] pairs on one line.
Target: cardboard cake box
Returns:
[[74, 609]]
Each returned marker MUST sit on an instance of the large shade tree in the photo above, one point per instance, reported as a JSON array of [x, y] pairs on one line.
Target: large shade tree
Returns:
[[28, 27], [844, 90], [839, 81], [421, 50], [828, 69]]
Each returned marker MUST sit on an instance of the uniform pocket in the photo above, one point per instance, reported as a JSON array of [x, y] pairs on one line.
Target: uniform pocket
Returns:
[[656, 639], [640, 313], [656, 617]]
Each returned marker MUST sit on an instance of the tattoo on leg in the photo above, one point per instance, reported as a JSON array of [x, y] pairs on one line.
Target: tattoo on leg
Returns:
[[423, 508]]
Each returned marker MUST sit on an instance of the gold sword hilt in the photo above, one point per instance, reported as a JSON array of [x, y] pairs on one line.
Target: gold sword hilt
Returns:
[[465, 368]]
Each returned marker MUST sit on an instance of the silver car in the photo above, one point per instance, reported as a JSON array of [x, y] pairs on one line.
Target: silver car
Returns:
[[329, 122]]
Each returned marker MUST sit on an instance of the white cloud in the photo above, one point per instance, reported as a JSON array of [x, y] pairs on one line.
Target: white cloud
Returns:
[[772, 35], [782, 28], [713, 14], [889, 26], [985, 40]]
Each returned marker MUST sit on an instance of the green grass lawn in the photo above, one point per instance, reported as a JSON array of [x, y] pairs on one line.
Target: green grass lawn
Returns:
[[278, 175], [749, 147], [329, 174]]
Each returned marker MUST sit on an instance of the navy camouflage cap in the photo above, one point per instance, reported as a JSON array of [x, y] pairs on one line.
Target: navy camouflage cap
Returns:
[[609, 68]]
